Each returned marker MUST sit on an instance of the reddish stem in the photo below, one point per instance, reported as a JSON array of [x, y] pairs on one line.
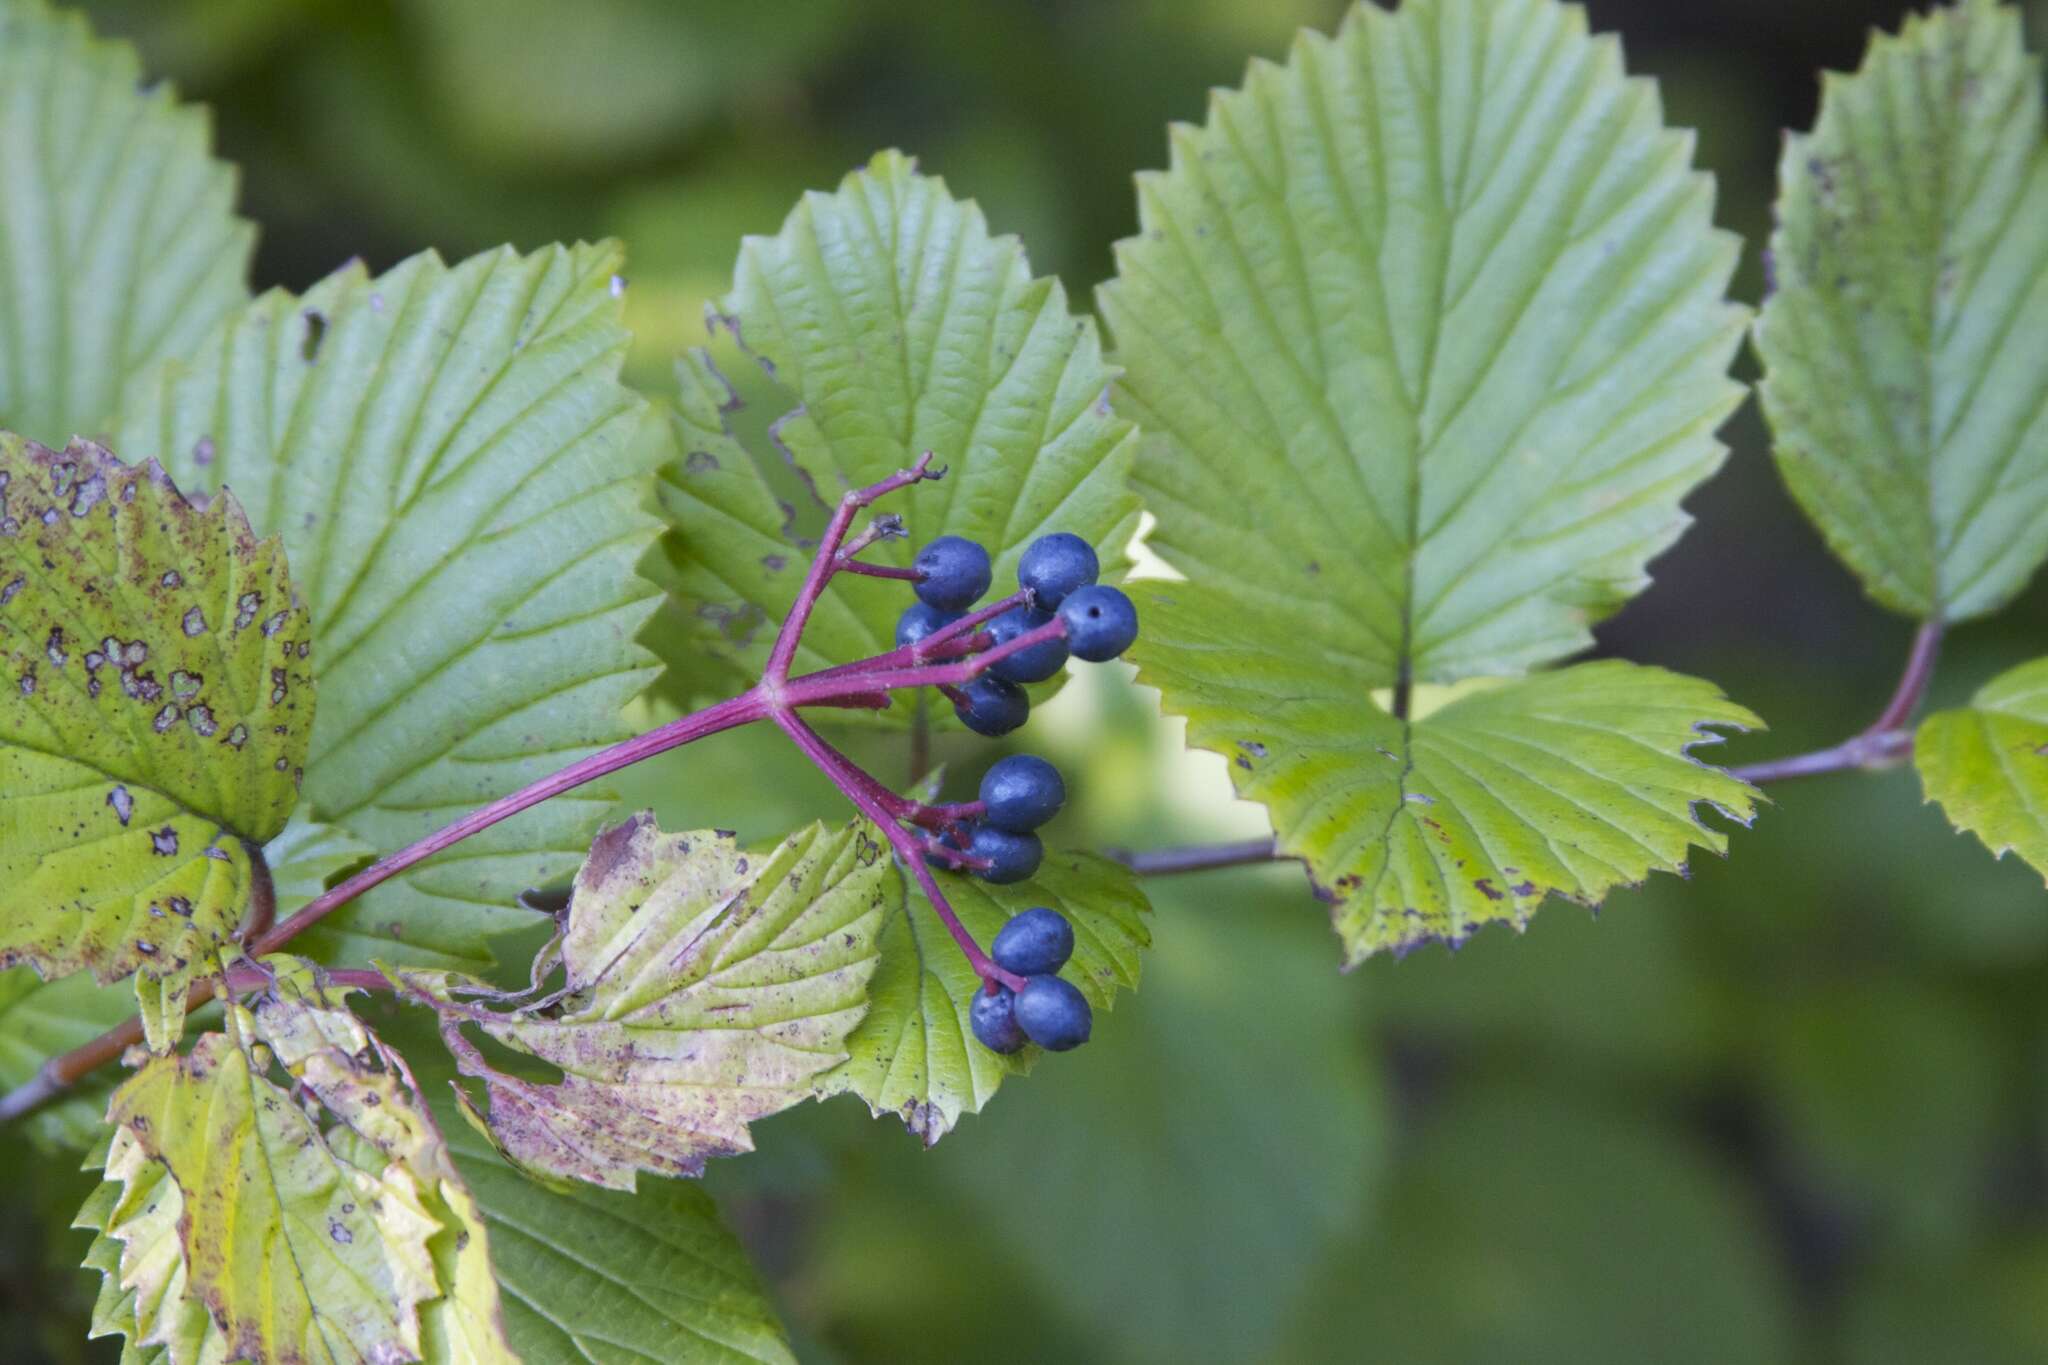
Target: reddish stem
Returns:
[[910, 849]]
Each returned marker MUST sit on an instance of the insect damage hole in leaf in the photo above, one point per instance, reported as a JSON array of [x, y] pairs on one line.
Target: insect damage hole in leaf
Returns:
[[898, 325], [154, 724], [1428, 335], [705, 986]]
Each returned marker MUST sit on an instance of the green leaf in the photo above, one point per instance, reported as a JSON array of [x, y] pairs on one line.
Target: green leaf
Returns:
[[614, 1278], [39, 1020], [1987, 763], [118, 243], [1574, 781], [914, 1055], [232, 1226], [1911, 258], [900, 326], [1427, 333], [706, 987], [155, 723], [459, 477]]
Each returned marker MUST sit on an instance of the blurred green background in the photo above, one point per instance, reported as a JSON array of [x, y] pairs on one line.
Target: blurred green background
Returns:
[[1792, 1109]]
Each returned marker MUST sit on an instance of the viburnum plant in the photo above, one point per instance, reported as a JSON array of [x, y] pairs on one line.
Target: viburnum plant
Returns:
[[317, 644]]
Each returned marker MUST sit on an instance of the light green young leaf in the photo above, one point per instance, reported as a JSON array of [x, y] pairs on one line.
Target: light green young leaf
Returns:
[[1574, 781], [118, 241], [1904, 377], [706, 987], [153, 724], [1987, 763], [459, 476], [899, 325], [914, 1055], [1426, 330], [273, 1230]]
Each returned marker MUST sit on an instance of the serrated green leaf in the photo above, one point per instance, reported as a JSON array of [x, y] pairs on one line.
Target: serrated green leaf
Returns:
[[1987, 763], [705, 987], [118, 241], [1571, 782], [1904, 379], [459, 477], [914, 1055], [1426, 329], [900, 326], [154, 725]]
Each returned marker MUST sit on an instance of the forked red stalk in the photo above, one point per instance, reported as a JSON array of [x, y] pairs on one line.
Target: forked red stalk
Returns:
[[952, 655]]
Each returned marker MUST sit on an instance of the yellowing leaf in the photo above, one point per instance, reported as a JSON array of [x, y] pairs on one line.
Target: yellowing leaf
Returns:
[[705, 987], [241, 1220], [1904, 373], [154, 717], [1987, 763]]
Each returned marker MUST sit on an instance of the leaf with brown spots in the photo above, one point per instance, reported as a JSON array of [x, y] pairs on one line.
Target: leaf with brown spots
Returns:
[[1987, 763], [155, 704], [704, 987], [282, 1194]]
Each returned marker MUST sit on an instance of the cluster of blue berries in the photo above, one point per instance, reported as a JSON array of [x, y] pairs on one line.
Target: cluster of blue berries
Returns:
[[1056, 578], [1057, 575], [1050, 1011]]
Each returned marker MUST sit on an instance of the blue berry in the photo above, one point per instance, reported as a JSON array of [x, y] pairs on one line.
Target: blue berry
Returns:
[[1101, 622], [1011, 857], [992, 706], [1035, 663], [953, 571], [920, 619], [1053, 1013], [1021, 792], [1034, 942], [993, 1017], [1054, 566]]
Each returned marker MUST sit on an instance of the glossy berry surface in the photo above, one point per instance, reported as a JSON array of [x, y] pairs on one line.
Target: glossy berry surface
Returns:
[[1055, 565], [993, 1017], [1011, 857], [1035, 942], [992, 706], [953, 572], [1035, 663], [1101, 622], [920, 619], [1053, 1013], [1021, 792]]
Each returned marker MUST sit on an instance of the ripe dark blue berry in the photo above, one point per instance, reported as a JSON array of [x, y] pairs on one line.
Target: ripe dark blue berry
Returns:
[[1011, 857], [1021, 792], [953, 572], [920, 619], [1035, 663], [992, 706], [1054, 566], [1101, 622], [1033, 943], [1053, 1013], [993, 1017]]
